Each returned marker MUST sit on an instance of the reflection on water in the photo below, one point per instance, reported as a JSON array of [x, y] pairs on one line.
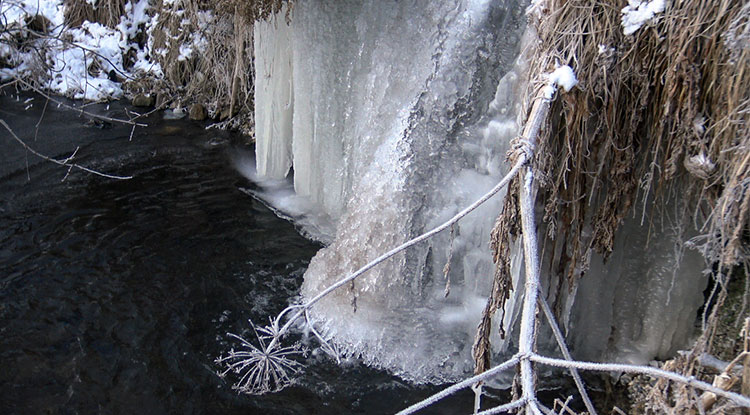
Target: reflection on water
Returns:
[[115, 296]]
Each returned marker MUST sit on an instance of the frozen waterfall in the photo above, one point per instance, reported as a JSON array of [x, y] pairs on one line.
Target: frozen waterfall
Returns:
[[392, 118]]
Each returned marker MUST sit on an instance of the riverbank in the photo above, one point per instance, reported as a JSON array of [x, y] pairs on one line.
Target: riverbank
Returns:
[[185, 55]]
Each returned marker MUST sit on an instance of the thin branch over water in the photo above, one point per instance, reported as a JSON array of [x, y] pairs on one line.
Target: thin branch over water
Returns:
[[67, 162]]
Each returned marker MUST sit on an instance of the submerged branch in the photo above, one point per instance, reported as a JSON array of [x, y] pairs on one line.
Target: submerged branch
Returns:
[[78, 109]]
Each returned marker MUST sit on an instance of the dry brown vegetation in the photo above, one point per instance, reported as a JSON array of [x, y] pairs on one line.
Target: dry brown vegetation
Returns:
[[220, 75], [106, 12], [658, 116], [663, 110]]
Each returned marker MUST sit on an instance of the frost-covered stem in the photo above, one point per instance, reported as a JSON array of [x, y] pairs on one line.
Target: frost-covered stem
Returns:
[[79, 109], [67, 162], [504, 408], [527, 337], [646, 370], [477, 388], [461, 385], [504, 182], [566, 353]]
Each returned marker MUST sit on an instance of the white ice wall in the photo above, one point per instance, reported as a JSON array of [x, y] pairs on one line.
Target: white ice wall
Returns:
[[274, 98], [394, 118]]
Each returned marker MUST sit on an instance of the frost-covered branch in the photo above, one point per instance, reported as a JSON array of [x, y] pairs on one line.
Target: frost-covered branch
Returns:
[[527, 338], [566, 354], [505, 408], [462, 385], [67, 162], [645, 370]]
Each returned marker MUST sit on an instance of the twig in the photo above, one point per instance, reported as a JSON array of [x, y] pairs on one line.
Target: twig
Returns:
[[646, 370], [566, 353], [60, 103], [67, 162], [564, 406], [461, 385], [505, 408], [41, 117], [527, 337]]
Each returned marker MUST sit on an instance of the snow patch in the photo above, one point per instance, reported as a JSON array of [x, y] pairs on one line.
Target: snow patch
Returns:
[[639, 12], [563, 77], [84, 62]]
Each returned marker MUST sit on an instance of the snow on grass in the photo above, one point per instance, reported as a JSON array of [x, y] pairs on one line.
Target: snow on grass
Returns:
[[82, 67], [15, 11], [82, 63], [563, 77], [638, 12]]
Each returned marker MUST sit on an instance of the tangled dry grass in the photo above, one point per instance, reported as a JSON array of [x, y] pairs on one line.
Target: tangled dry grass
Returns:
[[659, 115], [105, 12], [662, 110]]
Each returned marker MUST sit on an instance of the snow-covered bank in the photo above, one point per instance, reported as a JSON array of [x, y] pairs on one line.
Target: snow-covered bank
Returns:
[[86, 62], [176, 53]]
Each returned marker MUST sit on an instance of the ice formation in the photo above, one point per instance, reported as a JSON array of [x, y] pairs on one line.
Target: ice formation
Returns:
[[394, 118], [388, 137]]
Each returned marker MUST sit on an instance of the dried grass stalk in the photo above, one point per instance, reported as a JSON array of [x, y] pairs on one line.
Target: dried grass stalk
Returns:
[[662, 112], [663, 109], [106, 12]]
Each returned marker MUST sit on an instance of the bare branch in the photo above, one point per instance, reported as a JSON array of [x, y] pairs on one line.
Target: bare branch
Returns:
[[504, 408], [78, 109], [646, 370], [527, 337], [67, 162], [461, 385], [566, 353]]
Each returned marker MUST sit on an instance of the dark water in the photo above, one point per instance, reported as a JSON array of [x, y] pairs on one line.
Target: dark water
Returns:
[[115, 296]]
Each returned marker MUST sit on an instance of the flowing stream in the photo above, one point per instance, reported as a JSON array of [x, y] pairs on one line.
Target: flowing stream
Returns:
[[115, 296]]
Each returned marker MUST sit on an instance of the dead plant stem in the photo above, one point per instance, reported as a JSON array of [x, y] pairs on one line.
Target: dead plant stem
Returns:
[[67, 162]]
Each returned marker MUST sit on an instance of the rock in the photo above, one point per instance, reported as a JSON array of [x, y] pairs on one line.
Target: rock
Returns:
[[224, 114], [197, 112], [112, 75], [142, 100]]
